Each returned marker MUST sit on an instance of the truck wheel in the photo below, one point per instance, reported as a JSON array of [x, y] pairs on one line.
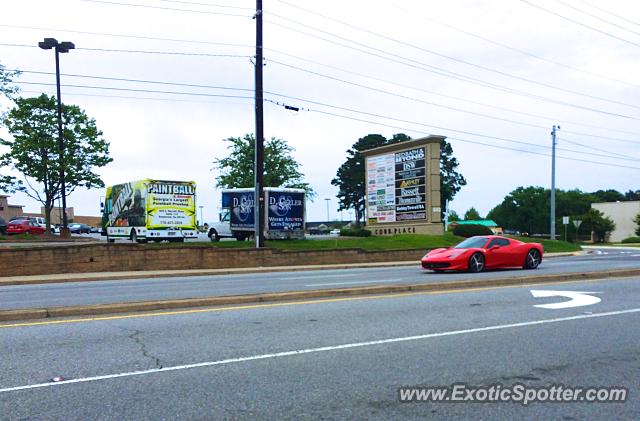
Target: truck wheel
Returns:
[[213, 235], [111, 240]]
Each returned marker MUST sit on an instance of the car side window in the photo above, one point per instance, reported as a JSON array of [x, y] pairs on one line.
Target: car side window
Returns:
[[502, 242]]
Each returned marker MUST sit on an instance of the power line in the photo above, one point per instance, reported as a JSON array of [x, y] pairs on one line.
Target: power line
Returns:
[[451, 75], [191, 85], [456, 98], [410, 98], [143, 37], [112, 50], [346, 71], [609, 12], [597, 149], [441, 127], [570, 6], [207, 4], [580, 23], [447, 57], [173, 9], [471, 141], [109, 88], [509, 47], [146, 98]]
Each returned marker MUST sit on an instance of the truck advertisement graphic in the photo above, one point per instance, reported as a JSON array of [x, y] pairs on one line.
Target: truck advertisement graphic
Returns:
[[284, 212], [150, 209]]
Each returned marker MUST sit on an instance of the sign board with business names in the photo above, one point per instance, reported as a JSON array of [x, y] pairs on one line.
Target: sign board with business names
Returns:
[[403, 186], [396, 186]]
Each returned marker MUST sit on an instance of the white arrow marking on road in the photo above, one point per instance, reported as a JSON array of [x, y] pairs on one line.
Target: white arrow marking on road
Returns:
[[577, 298]]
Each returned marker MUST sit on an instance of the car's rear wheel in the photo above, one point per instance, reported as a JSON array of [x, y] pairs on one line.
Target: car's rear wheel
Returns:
[[476, 263], [532, 260]]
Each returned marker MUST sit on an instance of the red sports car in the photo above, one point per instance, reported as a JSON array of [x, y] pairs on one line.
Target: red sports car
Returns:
[[24, 226], [476, 254]]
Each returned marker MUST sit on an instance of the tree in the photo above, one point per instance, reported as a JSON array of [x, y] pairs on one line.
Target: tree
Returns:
[[596, 222], [33, 151], [350, 177], [637, 221], [451, 181], [7, 183], [453, 216], [280, 168], [610, 195], [632, 195], [472, 215]]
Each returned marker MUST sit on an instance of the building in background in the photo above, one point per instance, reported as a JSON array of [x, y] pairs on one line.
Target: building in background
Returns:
[[484, 222], [8, 211], [623, 215]]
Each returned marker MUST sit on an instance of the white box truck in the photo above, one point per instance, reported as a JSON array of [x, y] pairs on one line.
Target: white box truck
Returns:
[[150, 210], [285, 215]]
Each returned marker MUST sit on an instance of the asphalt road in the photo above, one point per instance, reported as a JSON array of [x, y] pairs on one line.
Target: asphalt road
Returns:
[[329, 359], [102, 292]]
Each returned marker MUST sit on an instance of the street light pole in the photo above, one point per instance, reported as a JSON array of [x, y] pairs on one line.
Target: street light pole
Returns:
[[201, 220], [327, 200], [552, 210], [62, 47]]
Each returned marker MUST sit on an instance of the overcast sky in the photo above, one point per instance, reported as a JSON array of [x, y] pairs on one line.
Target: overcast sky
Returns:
[[486, 74]]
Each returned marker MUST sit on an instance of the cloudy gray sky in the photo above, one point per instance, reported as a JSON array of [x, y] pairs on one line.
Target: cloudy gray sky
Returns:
[[492, 76]]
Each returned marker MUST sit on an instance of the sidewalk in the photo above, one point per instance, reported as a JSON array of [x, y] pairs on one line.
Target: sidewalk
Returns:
[[109, 276]]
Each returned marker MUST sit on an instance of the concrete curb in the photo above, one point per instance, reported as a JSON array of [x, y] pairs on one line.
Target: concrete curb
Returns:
[[101, 309], [115, 276]]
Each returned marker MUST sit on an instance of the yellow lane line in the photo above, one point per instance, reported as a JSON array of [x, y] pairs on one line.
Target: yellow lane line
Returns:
[[296, 303]]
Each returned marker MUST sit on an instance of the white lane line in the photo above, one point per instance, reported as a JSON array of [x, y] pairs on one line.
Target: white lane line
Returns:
[[345, 275], [353, 283], [321, 349]]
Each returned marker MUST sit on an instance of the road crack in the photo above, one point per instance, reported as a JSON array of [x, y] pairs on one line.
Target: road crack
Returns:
[[135, 336]]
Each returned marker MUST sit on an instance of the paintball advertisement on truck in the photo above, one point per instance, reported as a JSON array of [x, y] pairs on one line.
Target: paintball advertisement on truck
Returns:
[[151, 204]]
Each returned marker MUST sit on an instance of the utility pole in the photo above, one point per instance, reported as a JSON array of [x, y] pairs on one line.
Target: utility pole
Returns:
[[259, 155], [327, 200], [552, 210]]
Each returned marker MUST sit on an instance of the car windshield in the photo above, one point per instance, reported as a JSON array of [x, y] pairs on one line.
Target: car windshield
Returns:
[[471, 243]]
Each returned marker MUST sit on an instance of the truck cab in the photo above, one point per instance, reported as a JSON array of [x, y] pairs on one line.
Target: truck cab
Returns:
[[222, 228]]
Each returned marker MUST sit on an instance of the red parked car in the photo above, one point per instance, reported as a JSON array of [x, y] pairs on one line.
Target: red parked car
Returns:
[[476, 254], [24, 226]]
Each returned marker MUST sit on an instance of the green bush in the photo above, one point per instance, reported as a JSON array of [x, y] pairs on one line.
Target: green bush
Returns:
[[471, 230], [631, 240], [355, 232]]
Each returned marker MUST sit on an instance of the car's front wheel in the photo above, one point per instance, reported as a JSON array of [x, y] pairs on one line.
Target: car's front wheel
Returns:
[[532, 260], [476, 263]]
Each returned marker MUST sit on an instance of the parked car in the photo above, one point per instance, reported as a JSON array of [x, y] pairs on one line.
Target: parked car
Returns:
[[24, 226], [478, 253], [37, 219], [95, 230], [77, 228], [3, 226]]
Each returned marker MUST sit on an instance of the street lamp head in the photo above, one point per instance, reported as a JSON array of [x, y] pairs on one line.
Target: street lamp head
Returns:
[[48, 43], [64, 47]]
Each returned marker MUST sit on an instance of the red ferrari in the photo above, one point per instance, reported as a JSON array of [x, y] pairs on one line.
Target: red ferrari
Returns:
[[476, 254]]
